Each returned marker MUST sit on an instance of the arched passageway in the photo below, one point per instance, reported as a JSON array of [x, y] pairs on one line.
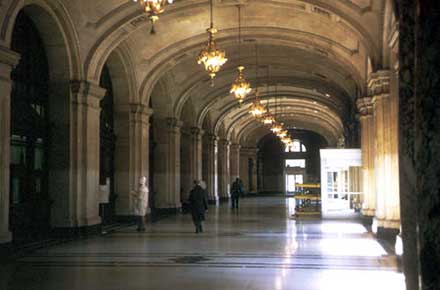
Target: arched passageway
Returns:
[[359, 74]]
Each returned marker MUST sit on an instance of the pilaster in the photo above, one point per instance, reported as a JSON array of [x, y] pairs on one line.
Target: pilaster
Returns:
[[196, 153], [132, 154], [234, 161], [8, 59], [84, 162], [365, 107], [224, 169], [387, 197], [212, 167], [167, 162]]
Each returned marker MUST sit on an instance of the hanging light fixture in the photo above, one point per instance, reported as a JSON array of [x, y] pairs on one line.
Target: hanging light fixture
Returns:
[[276, 127], [283, 133], [211, 57], [240, 87], [257, 109], [268, 119], [153, 8], [286, 140]]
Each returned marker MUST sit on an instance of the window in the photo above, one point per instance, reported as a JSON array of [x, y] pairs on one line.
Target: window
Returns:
[[296, 146], [301, 163]]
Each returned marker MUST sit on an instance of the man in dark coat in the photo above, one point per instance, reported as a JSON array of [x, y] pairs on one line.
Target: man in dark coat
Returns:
[[199, 204], [236, 191]]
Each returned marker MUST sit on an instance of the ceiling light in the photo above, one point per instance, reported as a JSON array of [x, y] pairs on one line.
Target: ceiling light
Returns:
[[153, 8], [211, 57]]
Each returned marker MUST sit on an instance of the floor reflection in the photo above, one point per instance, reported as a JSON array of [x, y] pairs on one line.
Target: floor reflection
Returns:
[[257, 247]]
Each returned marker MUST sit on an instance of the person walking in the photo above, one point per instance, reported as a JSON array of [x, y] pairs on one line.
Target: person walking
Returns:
[[199, 204], [141, 203], [236, 191]]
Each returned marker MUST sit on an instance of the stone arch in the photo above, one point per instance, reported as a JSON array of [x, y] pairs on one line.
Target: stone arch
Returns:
[[56, 28], [57, 34], [125, 100]]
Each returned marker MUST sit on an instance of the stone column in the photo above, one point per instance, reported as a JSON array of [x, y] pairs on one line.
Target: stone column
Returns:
[[167, 163], [131, 155], [84, 162], [387, 197], [247, 155], [368, 137], [8, 59], [212, 168], [234, 161], [196, 153], [224, 169]]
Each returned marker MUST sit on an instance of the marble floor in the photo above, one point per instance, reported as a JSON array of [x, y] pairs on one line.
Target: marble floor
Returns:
[[258, 247]]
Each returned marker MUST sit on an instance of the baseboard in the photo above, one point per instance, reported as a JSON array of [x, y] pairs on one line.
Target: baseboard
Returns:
[[76, 232], [6, 250]]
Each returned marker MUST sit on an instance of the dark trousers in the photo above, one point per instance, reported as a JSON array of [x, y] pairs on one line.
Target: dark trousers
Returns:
[[197, 220], [140, 220], [234, 200]]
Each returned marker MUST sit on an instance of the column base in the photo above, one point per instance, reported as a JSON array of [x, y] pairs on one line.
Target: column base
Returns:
[[6, 250], [387, 234], [213, 201], [368, 212], [224, 199], [5, 237]]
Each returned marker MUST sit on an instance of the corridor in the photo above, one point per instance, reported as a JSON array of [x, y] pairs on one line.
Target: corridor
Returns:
[[259, 247]]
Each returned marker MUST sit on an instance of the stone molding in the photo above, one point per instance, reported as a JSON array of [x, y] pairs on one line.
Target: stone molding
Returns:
[[196, 132], [87, 93], [379, 83], [249, 151], [8, 56], [224, 142], [140, 113], [235, 146], [365, 106], [174, 123], [212, 138]]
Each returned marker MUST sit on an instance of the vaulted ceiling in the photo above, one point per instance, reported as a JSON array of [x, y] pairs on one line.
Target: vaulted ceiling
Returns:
[[314, 57]]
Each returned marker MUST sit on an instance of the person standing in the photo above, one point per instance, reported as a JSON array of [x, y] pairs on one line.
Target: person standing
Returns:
[[236, 191], [199, 205], [141, 203]]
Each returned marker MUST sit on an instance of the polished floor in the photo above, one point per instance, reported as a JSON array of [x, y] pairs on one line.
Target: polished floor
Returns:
[[258, 247]]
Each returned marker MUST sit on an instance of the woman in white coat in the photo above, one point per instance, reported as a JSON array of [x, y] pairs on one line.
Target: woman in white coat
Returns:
[[141, 203]]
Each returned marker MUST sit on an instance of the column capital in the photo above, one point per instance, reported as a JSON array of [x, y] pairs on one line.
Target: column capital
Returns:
[[365, 106], [8, 57], [235, 146], [379, 83], [196, 131], [86, 93], [142, 109], [174, 123], [224, 142], [212, 137]]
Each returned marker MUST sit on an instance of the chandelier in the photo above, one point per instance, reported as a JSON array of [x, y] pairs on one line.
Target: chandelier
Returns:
[[153, 8], [276, 128], [211, 57], [257, 109], [268, 119], [240, 87], [282, 133], [286, 140]]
